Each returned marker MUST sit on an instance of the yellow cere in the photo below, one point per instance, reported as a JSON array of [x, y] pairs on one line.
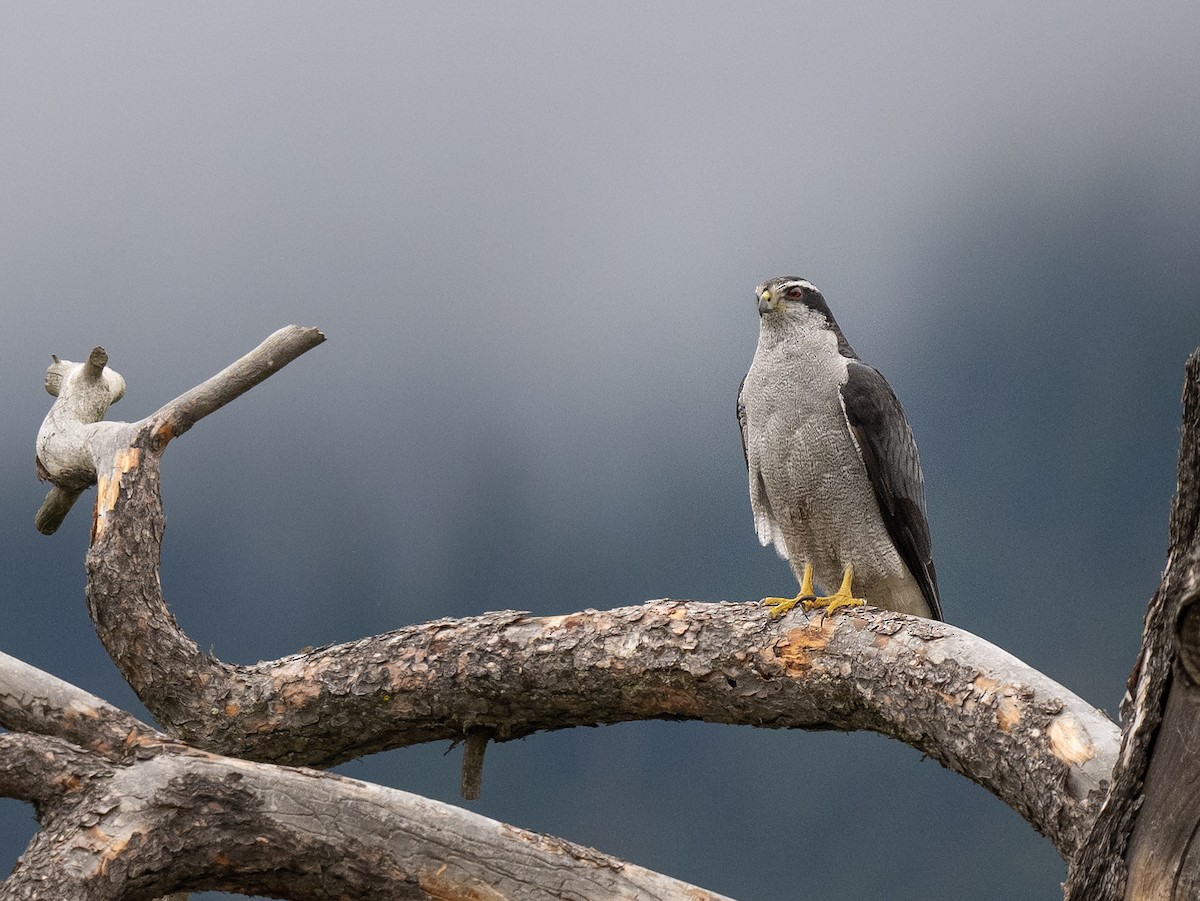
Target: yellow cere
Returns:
[[766, 295]]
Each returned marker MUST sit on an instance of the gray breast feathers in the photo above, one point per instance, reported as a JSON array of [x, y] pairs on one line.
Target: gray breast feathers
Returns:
[[765, 524]]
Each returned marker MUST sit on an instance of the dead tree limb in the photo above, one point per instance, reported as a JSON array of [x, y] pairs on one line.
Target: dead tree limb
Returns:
[[73, 445], [65, 450], [1143, 844], [35, 701], [129, 826]]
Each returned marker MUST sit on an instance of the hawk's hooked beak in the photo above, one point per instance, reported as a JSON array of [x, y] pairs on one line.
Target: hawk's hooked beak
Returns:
[[766, 302]]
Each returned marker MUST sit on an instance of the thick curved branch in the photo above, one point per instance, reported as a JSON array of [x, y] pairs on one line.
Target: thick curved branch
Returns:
[[175, 819], [955, 697], [127, 813]]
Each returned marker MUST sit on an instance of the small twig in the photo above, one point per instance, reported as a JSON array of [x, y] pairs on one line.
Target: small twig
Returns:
[[279, 349], [474, 748], [54, 509]]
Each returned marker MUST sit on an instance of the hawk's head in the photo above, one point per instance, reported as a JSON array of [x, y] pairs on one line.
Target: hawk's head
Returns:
[[787, 292], [789, 300]]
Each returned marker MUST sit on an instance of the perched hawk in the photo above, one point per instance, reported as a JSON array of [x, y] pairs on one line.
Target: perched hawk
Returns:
[[835, 480]]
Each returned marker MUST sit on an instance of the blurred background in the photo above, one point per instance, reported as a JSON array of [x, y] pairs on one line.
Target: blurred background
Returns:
[[532, 233]]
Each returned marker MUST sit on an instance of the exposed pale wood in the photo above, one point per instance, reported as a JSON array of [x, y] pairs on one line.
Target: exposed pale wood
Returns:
[[66, 450], [73, 445]]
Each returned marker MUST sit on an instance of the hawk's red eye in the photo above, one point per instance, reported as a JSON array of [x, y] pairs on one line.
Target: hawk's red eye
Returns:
[[795, 292]]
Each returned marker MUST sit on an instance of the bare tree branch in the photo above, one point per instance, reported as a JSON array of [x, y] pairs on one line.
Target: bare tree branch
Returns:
[[234, 380], [176, 819], [35, 701], [954, 696], [44, 770], [73, 445], [1141, 845], [474, 749], [66, 449]]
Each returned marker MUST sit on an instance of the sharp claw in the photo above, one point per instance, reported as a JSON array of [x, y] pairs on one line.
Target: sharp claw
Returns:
[[777, 607], [833, 602]]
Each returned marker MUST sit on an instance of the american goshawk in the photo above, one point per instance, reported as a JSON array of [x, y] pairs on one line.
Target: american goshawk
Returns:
[[835, 480]]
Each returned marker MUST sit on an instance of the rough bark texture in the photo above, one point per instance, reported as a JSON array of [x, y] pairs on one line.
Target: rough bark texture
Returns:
[[129, 813], [505, 675], [1142, 845], [175, 818], [34, 701], [964, 702]]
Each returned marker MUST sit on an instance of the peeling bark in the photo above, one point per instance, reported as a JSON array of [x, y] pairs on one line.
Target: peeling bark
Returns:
[[44, 771], [178, 819], [34, 701], [964, 702]]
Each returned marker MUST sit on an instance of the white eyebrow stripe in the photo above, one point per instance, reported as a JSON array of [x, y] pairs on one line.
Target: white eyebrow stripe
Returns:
[[800, 283]]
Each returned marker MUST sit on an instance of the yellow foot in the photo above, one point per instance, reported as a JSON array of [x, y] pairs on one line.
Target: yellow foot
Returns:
[[777, 607], [833, 602], [843, 597]]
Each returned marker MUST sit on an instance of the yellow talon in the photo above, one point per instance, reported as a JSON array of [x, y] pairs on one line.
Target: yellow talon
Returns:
[[843, 597], [777, 607]]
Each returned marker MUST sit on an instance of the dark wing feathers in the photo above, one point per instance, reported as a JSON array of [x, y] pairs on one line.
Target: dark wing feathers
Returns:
[[741, 411], [889, 453]]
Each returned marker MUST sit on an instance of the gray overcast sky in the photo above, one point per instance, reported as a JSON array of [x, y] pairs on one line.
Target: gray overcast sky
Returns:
[[531, 232]]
